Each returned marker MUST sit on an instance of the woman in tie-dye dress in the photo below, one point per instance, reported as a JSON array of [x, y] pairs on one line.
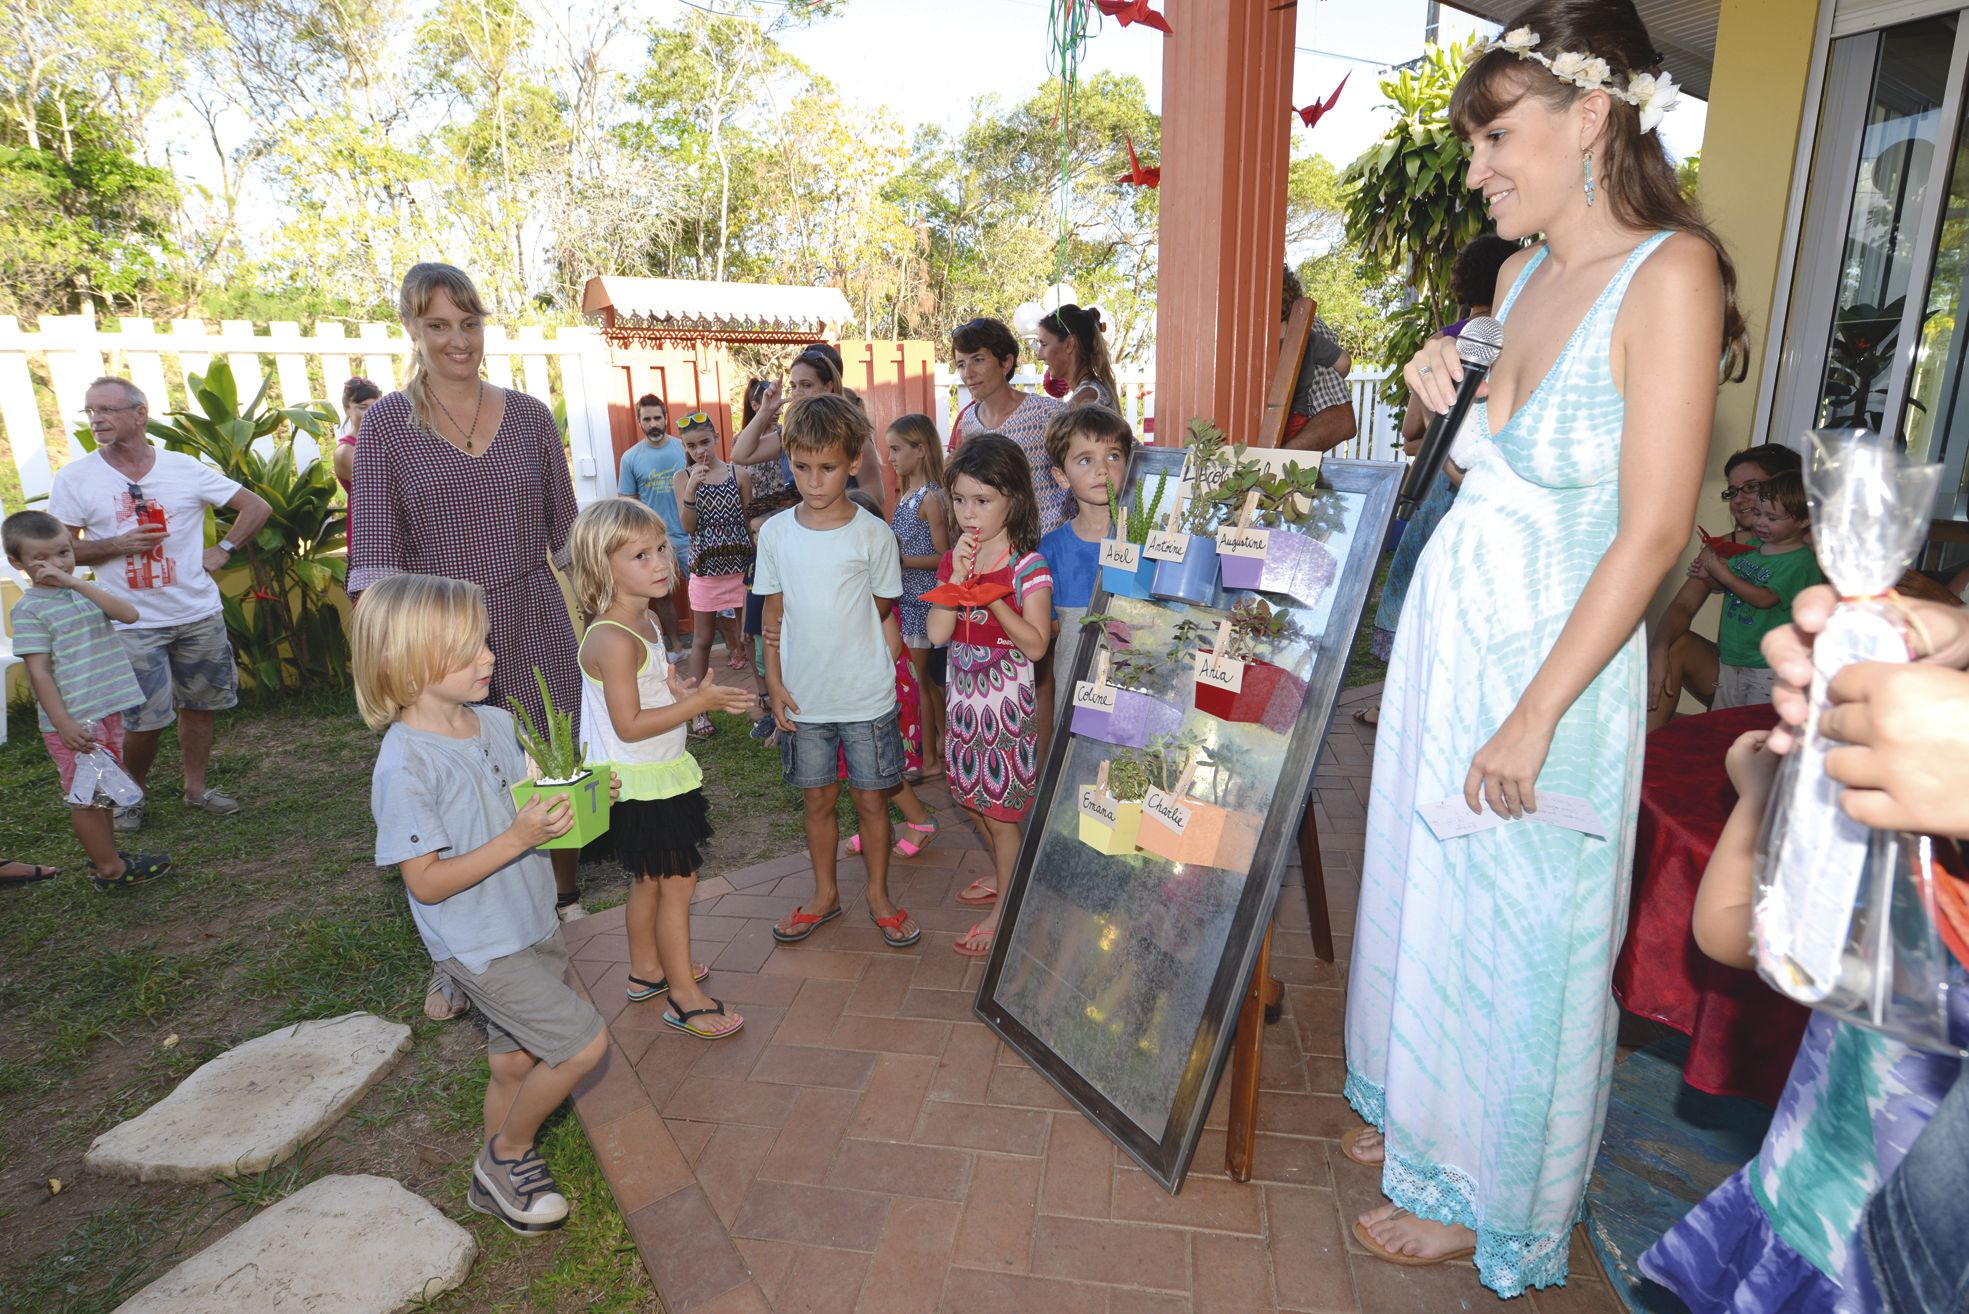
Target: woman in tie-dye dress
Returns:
[[1480, 1027]]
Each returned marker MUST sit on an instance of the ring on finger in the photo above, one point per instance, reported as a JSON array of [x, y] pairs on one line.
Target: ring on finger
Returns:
[[1426, 369]]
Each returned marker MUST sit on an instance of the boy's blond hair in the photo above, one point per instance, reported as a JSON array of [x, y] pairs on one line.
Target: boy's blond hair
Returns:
[[598, 533], [823, 422], [411, 631]]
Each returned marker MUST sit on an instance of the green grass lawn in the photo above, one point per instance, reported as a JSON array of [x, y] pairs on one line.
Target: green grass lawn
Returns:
[[275, 915]]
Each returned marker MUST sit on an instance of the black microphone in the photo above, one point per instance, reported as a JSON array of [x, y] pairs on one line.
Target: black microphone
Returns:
[[1477, 347]]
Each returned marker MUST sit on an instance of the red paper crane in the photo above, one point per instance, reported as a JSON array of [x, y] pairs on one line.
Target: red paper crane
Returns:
[[1133, 11], [1313, 113], [1137, 176], [1723, 547]]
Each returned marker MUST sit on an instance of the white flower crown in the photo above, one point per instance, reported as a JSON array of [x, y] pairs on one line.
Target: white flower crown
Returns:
[[1653, 95]]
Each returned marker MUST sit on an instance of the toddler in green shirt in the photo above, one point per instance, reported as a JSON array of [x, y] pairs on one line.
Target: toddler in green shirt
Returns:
[[1759, 587]]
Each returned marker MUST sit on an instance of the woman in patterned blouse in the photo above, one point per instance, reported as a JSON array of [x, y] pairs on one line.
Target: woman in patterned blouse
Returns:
[[461, 478], [987, 356]]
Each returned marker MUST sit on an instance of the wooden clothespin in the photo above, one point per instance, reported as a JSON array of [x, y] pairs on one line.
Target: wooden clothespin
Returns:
[[1182, 789], [1248, 510], [1101, 777]]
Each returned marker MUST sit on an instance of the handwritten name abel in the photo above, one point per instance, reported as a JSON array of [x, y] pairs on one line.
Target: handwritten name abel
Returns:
[[1165, 808], [1121, 555], [1243, 541]]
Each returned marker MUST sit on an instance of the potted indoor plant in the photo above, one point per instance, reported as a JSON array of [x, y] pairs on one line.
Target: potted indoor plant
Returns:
[[1125, 572], [1266, 545], [1111, 807], [1235, 681], [1179, 826], [1185, 548], [562, 770], [1111, 705]]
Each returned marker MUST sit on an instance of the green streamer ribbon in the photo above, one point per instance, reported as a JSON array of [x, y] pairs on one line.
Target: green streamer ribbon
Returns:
[[1068, 27]]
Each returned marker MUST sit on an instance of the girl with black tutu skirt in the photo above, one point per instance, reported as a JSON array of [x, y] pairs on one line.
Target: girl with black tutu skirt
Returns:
[[634, 714]]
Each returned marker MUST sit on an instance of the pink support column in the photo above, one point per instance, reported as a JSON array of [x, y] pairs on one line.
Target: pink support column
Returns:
[[1226, 115]]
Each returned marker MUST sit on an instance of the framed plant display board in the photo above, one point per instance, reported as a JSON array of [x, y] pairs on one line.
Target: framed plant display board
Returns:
[[1171, 797]]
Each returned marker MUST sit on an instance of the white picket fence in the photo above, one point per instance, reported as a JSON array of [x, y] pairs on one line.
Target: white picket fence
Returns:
[[1378, 436], [570, 367]]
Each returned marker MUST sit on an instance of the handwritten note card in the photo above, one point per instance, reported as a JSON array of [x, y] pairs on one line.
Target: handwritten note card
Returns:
[[1121, 555], [1452, 818]]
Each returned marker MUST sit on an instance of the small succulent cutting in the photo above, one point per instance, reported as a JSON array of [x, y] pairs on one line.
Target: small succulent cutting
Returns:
[[1257, 629], [1133, 521], [558, 754]]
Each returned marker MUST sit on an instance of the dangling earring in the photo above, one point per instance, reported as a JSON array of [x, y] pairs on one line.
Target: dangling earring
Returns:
[[1586, 168]]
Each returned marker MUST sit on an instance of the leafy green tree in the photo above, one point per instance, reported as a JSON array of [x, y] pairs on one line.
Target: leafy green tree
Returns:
[[1408, 210], [1354, 306]]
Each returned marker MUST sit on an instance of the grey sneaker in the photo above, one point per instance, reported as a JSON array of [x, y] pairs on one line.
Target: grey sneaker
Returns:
[[130, 818], [518, 1192], [212, 801], [570, 912]]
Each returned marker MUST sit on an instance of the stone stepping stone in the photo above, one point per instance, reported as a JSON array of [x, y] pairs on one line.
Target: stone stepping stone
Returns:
[[350, 1244], [254, 1105]]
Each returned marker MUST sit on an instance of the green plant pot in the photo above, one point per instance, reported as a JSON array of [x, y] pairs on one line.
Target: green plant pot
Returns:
[[587, 794]]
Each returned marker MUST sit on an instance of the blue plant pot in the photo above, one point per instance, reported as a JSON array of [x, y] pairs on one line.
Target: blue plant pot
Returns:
[[1129, 583], [1194, 578]]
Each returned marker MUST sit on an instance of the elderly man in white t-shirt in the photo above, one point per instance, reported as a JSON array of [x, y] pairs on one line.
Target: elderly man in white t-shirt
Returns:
[[137, 514]]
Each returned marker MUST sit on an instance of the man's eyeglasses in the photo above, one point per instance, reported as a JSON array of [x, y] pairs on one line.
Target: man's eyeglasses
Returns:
[[91, 412], [1748, 488]]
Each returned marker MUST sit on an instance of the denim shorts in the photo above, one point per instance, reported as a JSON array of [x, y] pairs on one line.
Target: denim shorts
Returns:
[[811, 756]]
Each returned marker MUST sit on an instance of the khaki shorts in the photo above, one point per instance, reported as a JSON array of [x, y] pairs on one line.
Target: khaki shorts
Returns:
[[1742, 686], [528, 1004], [188, 666]]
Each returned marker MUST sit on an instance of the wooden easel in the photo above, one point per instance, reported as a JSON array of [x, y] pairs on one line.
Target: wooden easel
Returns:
[[1264, 996]]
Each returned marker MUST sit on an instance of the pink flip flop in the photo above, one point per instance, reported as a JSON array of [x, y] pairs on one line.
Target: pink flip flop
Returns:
[[978, 894]]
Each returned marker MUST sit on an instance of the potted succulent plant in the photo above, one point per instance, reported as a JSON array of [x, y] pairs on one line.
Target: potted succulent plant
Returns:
[[1179, 826], [1125, 572], [1185, 548], [1111, 705], [1111, 807], [1266, 545], [1235, 682], [563, 770]]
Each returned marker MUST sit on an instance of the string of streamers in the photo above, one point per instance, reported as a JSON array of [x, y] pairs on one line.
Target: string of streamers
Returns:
[[1068, 27]]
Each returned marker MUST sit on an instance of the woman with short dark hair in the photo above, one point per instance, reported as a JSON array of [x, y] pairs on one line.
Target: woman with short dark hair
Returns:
[[987, 356]]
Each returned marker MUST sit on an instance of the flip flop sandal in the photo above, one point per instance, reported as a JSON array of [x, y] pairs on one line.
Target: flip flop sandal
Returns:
[[35, 872], [138, 869], [891, 928], [980, 942], [1350, 1146], [639, 989], [804, 925], [1368, 716], [439, 1004], [1381, 1252], [908, 846], [978, 894], [682, 1021]]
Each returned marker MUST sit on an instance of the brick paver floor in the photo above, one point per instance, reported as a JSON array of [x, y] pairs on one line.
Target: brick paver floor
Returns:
[[865, 1144]]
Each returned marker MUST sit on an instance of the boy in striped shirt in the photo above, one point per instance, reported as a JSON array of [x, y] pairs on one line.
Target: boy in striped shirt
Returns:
[[80, 675]]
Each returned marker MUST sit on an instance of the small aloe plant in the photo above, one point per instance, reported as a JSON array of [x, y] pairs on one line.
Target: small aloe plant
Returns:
[[1133, 521], [558, 753]]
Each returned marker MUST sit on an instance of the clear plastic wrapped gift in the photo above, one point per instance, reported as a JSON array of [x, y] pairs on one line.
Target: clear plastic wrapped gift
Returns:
[[100, 780], [1845, 913]]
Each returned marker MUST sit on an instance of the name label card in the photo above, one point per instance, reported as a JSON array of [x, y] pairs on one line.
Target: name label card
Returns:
[[1219, 672], [1094, 697], [1121, 555], [1166, 546], [1166, 809], [1100, 805], [1243, 541]]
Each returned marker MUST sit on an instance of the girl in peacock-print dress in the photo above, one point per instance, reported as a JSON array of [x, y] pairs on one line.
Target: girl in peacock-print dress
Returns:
[[992, 745]]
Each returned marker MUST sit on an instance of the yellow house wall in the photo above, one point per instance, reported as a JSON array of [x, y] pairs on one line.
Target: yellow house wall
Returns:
[[1757, 103]]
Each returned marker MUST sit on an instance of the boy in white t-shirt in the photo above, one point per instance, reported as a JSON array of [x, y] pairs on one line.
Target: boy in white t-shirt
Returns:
[[830, 575], [137, 514]]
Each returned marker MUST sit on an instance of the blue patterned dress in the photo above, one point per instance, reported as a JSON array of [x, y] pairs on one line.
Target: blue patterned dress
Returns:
[[1779, 1236], [913, 537], [1480, 1024]]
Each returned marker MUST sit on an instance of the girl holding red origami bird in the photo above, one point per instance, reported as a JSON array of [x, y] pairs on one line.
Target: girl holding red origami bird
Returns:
[[994, 606]]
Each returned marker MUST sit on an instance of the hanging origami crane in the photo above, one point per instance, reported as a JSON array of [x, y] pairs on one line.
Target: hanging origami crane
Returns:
[[1133, 11], [1137, 176], [1313, 113]]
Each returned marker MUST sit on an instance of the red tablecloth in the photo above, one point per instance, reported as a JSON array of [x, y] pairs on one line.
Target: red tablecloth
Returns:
[[1743, 1035]]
